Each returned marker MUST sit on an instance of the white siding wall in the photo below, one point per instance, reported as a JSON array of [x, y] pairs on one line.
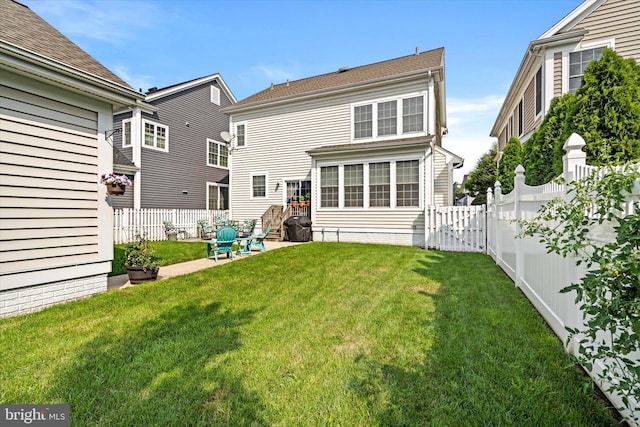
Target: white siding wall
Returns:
[[441, 180], [55, 221], [277, 139]]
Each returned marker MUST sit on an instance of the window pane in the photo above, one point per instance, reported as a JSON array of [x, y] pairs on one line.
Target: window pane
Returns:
[[240, 130], [161, 137], [353, 186], [387, 118], [148, 134], [224, 198], [363, 121], [213, 153], [259, 186], [379, 184], [224, 155], [329, 187], [539, 91], [126, 133], [578, 62], [408, 183], [213, 197], [412, 114]]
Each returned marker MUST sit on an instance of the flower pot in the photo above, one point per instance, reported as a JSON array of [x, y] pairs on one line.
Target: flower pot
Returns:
[[115, 189], [294, 204], [139, 275]]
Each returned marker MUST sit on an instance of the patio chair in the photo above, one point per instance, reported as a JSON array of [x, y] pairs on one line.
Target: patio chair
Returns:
[[225, 238], [205, 229], [172, 232], [246, 228], [258, 239]]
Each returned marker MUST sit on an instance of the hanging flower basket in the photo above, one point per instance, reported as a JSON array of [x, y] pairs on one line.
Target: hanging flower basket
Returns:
[[116, 184], [116, 189]]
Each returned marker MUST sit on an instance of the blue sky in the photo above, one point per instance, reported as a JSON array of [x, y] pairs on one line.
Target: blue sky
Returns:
[[254, 43]]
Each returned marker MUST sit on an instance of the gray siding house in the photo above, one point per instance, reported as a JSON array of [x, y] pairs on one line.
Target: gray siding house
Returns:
[[553, 63], [56, 110], [365, 142], [171, 147]]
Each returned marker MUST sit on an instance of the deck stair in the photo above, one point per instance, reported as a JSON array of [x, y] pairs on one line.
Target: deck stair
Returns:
[[276, 215]]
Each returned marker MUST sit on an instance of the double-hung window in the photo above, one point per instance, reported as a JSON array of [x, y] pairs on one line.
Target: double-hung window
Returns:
[[218, 197], [363, 121], [380, 184], [407, 183], [329, 187], [538, 91], [241, 135], [413, 114], [217, 154], [259, 185], [578, 62], [353, 186], [156, 136], [126, 133], [387, 118]]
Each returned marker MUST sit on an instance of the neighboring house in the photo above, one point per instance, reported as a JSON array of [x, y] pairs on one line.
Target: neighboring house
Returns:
[[171, 147], [56, 221], [364, 141], [554, 63]]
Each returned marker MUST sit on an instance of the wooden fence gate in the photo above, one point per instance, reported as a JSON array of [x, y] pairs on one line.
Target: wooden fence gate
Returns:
[[456, 228]]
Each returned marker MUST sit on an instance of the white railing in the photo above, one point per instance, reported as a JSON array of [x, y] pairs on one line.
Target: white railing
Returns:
[[456, 228], [128, 223], [541, 275]]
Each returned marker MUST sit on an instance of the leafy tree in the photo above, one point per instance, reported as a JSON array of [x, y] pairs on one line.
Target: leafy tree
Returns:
[[511, 158], [542, 152], [607, 110], [483, 176]]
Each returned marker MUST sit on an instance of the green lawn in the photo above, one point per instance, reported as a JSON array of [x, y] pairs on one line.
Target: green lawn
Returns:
[[315, 334]]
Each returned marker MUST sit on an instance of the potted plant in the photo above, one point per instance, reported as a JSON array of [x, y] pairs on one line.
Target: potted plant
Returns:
[[116, 184], [294, 201], [307, 198], [140, 261]]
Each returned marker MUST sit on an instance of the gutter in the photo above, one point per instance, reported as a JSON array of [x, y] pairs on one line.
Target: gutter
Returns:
[[20, 60]]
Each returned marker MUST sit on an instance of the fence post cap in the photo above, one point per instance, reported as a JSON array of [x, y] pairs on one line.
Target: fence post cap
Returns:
[[574, 142], [498, 184], [520, 170]]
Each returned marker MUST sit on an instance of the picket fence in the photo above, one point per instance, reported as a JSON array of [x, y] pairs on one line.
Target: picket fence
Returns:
[[456, 228], [541, 275], [129, 223]]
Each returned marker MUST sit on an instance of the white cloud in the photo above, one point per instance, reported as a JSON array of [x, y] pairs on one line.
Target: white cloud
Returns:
[[114, 22], [470, 122]]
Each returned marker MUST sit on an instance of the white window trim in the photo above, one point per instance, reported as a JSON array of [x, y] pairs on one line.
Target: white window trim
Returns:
[[266, 185], [610, 43], [155, 142], [209, 140], [399, 112], [217, 187], [215, 95], [235, 133], [392, 183], [130, 135]]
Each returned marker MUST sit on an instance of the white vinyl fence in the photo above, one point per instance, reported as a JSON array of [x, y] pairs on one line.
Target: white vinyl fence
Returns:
[[456, 228], [541, 275], [129, 223]]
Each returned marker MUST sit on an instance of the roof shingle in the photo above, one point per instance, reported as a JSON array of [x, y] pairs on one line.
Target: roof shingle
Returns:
[[393, 67], [20, 26]]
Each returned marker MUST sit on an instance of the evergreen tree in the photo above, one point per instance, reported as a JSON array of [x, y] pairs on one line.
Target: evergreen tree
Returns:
[[483, 176], [542, 152], [511, 158], [607, 111]]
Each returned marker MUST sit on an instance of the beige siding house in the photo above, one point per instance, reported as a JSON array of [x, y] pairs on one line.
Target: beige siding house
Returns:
[[56, 105], [553, 63], [364, 142]]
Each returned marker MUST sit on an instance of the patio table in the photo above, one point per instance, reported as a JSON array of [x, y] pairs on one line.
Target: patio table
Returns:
[[244, 245]]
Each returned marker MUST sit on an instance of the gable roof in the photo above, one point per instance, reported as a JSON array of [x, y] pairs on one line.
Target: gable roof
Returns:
[[432, 60], [21, 27], [179, 87]]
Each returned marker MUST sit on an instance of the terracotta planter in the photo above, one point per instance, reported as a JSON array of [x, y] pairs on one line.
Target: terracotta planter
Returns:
[[138, 275], [115, 189], [294, 204]]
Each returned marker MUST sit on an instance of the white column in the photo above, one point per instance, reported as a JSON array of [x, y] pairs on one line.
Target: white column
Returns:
[[136, 144]]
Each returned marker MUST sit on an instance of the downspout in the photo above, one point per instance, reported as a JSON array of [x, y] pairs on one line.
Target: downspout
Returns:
[[136, 148]]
